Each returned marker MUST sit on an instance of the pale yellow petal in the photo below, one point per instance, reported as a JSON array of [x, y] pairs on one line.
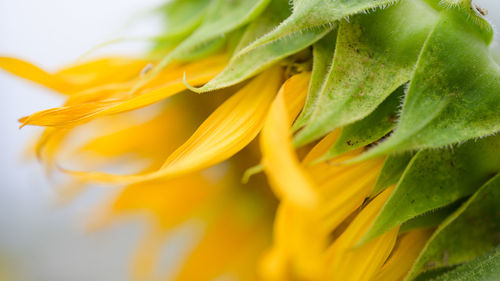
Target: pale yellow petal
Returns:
[[73, 114], [225, 132], [31, 72], [78, 77]]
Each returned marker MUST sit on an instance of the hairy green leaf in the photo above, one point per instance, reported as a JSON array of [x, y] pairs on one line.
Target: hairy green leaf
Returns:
[[483, 268], [430, 219], [471, 231], [436, 178], [276, 12], [369, 129], [394, 166], [297, 32], [323, 52], [375, 55], [453, 95]]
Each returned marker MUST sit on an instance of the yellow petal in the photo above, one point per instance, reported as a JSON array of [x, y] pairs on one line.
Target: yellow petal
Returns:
[[102, 71], [225, 132], [346, 262], [153, 139], [78, 77], [198, 73], [287, 178], [297, 246], [31, 72], [407, 249]]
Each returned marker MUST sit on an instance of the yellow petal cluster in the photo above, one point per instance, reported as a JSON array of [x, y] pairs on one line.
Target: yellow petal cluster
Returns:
[[304, 224]]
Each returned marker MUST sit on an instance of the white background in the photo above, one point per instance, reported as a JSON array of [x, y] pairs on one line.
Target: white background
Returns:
[[39, 241]]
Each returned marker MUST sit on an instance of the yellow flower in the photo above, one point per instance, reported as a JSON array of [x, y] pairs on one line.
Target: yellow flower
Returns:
[[317, 211], [318, 200]]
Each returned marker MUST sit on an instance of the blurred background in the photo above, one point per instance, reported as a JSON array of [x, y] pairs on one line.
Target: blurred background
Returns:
[[41, 240]]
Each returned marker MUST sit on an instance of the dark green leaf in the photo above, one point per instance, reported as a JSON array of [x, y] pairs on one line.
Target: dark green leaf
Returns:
[[375, 55], [436, 178], [391, 172], [453, 95], [309, 22], [471, 231], [369, 129]]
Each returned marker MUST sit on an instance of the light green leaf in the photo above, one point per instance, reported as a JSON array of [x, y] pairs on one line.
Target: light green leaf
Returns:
[[453, 95], [394, 166], [369, 129], [323, 52], [309, 22], [471, 231], [222, 17], [181, 18], [436, 178], [375, 55], [246, 64], [276, 12]]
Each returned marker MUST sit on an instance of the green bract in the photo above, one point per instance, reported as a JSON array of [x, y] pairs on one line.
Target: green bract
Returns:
[[412, 80]]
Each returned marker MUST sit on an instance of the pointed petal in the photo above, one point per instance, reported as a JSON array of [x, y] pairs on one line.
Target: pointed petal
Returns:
[[287, 178], [347, 262], [228, 130], [73, 114]]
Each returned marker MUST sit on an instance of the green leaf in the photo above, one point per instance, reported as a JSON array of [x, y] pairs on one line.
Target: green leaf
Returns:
[[222, 17], [308, 14], [430, 219], [371, 61], [453, 95], [181, 18], [248, 63], [394, 166], [276, 12], [369, 129], [309, 22], [471, 231], [436, 178], [430, 275], [483, 268], [323, 52]]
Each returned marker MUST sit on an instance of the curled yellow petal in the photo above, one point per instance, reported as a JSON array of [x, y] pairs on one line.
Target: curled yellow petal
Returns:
[[31, 72], [78, 77], [345, 261], [287, 178], [231, 127], [407, 249], [198, 73]]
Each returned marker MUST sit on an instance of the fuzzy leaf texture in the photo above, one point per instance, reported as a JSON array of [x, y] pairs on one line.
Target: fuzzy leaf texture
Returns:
[[369, 129], [469, 232], [297, 32], [436, 178], [371, 61], [483, 268], [394, 167], [453, 95]]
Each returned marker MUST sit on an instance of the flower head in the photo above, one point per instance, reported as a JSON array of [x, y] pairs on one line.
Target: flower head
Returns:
[[347, 107]]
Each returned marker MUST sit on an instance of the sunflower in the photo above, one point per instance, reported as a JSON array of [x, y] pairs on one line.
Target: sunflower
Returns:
[[326, 140]]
